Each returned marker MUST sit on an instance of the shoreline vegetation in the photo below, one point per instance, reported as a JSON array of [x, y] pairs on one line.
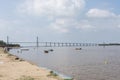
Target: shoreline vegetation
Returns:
[[14, 68], [4, 44], [109, 44]]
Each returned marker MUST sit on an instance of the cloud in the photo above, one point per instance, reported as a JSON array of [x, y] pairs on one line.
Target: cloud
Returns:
[[61, 25], [118, 26], [5, 27], [84, 25], [4, 23], [51, 7], [61, 14], [65, 25], [107, 19], [99, 13], [58, 15]]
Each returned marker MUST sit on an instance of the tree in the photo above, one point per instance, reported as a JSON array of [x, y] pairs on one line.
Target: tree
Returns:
[[2, 43]]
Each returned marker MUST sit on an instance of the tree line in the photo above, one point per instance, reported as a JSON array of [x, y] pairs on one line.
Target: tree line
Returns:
[[4, 44]]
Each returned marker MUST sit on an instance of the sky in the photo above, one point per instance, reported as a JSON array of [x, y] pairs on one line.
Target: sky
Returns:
[[95, 21]]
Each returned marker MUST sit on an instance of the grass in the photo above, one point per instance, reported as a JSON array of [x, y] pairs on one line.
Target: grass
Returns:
[[54, 75]]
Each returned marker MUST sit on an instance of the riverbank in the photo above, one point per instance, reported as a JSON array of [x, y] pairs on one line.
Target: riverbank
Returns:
[[13, 68]]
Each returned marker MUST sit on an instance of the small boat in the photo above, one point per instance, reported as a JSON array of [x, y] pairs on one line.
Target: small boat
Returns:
[[51, 50], [46, 51], [78, 48], [24, 49]]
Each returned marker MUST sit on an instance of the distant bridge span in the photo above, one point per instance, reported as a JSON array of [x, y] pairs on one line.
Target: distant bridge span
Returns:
[[55, 44]]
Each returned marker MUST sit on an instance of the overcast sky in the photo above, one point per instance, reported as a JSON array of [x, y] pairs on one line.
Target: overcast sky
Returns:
[[60, 20]]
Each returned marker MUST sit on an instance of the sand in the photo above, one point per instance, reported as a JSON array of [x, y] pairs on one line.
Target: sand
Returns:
[[12, 68]]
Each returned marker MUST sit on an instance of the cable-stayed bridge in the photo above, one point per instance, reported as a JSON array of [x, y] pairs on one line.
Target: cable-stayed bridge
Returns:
[[53, 44]]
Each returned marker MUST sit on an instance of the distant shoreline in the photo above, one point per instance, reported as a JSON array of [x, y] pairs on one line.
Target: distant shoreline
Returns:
[[109, 44]]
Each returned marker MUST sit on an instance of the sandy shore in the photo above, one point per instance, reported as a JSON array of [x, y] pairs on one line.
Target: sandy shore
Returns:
[[12, 68]]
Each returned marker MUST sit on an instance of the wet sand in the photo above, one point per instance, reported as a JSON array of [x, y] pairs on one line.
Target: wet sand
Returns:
[[13, 68]]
